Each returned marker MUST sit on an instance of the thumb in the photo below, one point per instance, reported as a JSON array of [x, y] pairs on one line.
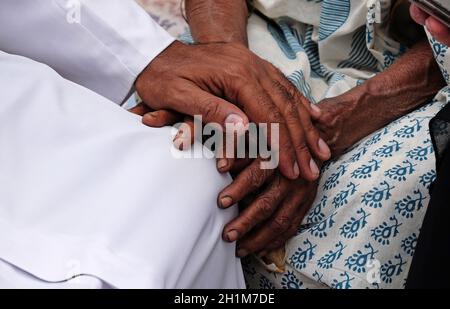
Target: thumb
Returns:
[[214, 110]]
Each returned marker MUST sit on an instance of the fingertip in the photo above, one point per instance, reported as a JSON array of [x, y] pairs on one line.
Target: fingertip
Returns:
[[324, 149], [430, 25], [231, 236], [182, 141], [288, 165], [418, 15], [139, 109], [222, 165], [296, 170], [225, 201], [148, 118], [315, 172], [311, 171], [153, 119], [316, 112], [436, 28], [236, 123], [289, 171]]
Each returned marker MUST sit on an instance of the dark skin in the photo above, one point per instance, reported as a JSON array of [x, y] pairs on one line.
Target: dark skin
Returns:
[[224, 78], [369, 107], [226, 83], [277, 204], [384, 98]]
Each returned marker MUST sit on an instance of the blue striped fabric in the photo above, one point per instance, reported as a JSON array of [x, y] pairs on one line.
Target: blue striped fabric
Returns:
[[333, 15], [360, 57], [298, 79]]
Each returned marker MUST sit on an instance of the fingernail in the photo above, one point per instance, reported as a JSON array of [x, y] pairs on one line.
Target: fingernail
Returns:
[[181, 139], [315, 108], [417, 16], [226, 202], [314, 168], [296, 170], [324, 149], [235, 123], [242, 253], [234, 119], [149, 116], [222, 163], [178, 136], [232, 236], [428, 24]]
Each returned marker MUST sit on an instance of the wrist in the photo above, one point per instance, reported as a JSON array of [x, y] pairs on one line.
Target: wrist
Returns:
[[158, 65], [209, 21], [337, 123]]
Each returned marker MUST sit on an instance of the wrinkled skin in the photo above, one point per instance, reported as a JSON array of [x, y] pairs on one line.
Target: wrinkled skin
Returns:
[[226, 83], [273, 205]]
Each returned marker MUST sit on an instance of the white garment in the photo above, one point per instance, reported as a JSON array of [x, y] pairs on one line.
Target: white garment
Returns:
[[85, 188], [105, 52]]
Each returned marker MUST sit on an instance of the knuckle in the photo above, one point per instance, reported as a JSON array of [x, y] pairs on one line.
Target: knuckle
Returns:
[[264, 103], [175, 91], [267, 172], [301, 148], [240, 69], [248, 57], [278, 184], [279, 87], [294, 93], [276, 117], [291, 115], [165, 116], [256, 178], [244, 224], [304, 103], [285, 144], [266, 206], [309, 127], [209, 109], [280, 224], [284, 93]]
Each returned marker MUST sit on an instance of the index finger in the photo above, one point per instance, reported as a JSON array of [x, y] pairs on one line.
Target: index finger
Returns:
[[258, 211], [296, 138], [247, 181], [266, 112], [305, 111], [275, 227], [293, 230]]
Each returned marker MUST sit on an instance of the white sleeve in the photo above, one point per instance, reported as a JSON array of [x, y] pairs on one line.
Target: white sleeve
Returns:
[[100, 44]]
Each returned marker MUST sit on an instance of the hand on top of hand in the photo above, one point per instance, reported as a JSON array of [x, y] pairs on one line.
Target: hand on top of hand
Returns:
[[227, 83], [272, 206], [219, 80]]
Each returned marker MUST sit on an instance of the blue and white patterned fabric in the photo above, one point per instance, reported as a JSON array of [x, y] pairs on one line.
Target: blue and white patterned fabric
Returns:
[[363, 227]]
